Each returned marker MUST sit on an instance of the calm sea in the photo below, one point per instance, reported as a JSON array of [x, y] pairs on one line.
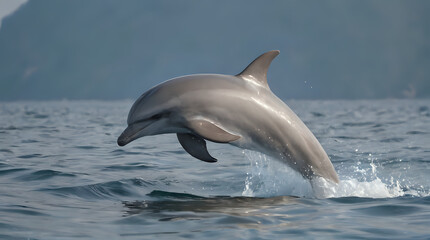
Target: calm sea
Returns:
[[62, 176]]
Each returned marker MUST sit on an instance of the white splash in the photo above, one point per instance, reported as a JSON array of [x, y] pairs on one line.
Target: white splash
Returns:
[[354, 188], [267, 177]]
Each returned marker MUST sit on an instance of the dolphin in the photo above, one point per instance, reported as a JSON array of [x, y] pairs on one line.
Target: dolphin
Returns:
[[240, 110]]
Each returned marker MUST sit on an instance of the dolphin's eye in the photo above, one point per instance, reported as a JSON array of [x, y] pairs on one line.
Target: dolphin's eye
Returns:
[[157, 116], [154, 117]]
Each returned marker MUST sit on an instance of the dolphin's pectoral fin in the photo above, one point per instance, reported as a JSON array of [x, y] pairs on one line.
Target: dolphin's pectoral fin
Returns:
[[195, 146], [211, 131]]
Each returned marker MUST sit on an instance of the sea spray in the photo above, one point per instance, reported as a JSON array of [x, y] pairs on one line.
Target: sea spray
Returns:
[[267, 177], [354, 188]]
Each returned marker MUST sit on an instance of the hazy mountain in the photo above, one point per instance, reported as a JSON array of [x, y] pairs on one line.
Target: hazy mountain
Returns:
[[101, 49]]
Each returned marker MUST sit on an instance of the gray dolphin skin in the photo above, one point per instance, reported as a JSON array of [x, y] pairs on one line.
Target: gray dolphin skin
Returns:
[[240, 110]]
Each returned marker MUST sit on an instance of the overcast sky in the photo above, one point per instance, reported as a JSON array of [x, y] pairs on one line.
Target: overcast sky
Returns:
[[9, 6], [106, 49]]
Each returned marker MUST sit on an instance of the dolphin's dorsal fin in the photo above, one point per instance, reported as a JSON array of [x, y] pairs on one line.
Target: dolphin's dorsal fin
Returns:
[[257, 70], [195, 146]]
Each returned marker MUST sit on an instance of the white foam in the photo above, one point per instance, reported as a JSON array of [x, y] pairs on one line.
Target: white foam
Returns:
[[354, 188], [267, 177]]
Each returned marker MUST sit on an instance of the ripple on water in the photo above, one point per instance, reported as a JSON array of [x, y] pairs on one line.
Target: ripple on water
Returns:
[[3, 165], [10, 128], [416, 132], [392, 140], [357, 124], [118, 152], [11, 170], [351, 137], [108, 190], [354, 200], [24, 210], [87, 147], [9, 227], [35, 155], [128, 167], [388, 210], [44, 174], [29, 141], [36, 114], [172, 195], [318, 114], [6, 150]]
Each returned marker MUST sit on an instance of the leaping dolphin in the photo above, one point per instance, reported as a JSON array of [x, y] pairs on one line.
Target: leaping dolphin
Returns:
[[240, 110]]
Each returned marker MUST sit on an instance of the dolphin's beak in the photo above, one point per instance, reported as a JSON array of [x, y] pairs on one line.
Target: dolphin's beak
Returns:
[[133, 132]]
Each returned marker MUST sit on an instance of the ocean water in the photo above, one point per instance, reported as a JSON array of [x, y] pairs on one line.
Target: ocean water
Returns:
[[62, 176]]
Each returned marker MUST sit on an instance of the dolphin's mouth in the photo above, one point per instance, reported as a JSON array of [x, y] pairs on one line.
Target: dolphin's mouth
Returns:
[[132, 132]]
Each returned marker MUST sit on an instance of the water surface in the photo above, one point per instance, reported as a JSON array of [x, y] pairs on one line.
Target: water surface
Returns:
[[62, 176]]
